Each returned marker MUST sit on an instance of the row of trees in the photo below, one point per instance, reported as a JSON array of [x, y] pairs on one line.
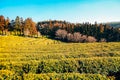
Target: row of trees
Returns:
[[61, 30], [75, 37], [4, 23], [19, 26], [100, 32]]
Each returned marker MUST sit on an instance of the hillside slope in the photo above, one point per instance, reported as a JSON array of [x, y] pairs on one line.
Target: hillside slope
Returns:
[[46, 59]]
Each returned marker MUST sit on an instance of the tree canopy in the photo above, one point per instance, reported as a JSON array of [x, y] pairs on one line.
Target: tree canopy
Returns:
[[61, 30]]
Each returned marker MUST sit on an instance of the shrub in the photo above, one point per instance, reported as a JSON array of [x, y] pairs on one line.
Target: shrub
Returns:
[[67, 76], [6, 75], [26, 68]]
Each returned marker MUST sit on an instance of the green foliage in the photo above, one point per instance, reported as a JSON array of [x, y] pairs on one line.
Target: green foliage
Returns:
[[26, 68], [46, 59], [6, 75], [96, 32], [99, 31], [67, 76]]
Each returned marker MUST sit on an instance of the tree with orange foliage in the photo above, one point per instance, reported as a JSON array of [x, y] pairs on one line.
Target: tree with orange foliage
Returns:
[[101, 28], [7, 23], [2, 23], [29, 27]]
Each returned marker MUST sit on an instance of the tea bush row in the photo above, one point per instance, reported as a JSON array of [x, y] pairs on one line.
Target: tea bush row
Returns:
[[9, 75], [84, 65]]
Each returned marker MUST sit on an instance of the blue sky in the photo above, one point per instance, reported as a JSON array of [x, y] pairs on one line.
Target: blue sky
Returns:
[[69, 10]]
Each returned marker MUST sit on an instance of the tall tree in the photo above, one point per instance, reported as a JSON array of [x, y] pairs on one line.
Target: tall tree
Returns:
[[11, 27], [21, 25], [29, 27], [7, 24], [2, 23], [101, 28], [17, 24]]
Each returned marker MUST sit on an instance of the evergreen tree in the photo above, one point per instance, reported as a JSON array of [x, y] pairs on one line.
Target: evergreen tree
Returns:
[[17, 25]]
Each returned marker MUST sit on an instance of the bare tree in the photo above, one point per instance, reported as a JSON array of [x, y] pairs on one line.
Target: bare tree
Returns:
[[91, 39], [83, 38], [61, 34], [70, 37], [77, 37]]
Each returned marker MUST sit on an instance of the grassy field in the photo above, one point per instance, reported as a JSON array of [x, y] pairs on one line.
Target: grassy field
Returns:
[[46, 59]]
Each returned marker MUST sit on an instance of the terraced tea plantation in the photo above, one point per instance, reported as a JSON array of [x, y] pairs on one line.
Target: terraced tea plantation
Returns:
[[23, 58]]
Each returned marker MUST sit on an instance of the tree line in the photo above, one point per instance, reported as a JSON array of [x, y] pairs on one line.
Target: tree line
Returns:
[[60, 30], [77, 32], [19, 26]]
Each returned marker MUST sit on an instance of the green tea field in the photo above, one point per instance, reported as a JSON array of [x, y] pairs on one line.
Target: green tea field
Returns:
[[23, 58]]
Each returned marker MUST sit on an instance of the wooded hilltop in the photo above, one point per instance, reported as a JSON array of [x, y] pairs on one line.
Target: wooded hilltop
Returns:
[[60, 30]]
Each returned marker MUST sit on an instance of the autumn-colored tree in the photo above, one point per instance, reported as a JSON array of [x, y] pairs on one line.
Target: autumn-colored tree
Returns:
[[2, 23], [50, 24], [33, 30], [101, 28], [7, 24], [65, 31], [29, 27]]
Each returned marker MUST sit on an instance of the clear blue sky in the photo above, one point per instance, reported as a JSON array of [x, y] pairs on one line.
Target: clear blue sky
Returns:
[[69, 10]]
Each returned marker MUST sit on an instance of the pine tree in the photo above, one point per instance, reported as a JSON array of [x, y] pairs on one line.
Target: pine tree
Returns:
[[21, 26], [17, 24]]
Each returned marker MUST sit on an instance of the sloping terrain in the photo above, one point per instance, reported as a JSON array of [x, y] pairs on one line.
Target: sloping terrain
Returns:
[[46, 59]]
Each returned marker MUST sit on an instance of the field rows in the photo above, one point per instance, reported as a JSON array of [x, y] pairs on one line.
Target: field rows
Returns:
[[35, 58]]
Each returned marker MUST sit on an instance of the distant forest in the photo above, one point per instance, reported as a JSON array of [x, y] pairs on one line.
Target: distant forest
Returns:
[[60, 30]]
